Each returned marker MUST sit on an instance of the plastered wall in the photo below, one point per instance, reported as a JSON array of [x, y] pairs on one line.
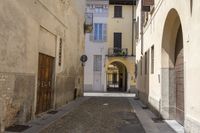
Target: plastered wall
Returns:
[[27, 29], [153, 35]]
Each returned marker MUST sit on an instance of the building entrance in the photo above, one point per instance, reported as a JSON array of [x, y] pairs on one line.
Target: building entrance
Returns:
[[173, 69], [45, 90], [117, 77]]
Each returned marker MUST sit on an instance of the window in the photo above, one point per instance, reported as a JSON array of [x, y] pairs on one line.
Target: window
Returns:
[[141, 66], [146, 61], [117, 40], [60, 53], [145, 18], [136, 69], [118, 11], [152, 59], [99, 9], [97, 63], [191, 6], [137, 28], [98, 36], [98, 32]]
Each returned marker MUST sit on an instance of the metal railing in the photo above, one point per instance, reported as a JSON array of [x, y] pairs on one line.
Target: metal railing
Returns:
[[118, 52]]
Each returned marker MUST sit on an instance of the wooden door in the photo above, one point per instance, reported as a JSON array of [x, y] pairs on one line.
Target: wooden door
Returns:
[[179, 68], [179, 71], [45, 77]]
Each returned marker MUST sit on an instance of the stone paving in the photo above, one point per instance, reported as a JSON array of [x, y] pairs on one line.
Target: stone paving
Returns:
[[99, 115]]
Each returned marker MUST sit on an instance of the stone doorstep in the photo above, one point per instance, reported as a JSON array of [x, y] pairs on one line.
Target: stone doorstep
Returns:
[[175, 125], [102, 94], [47, 119]]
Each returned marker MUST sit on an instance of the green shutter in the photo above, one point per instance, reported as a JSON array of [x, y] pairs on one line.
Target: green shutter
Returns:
[[104, 32], [92, 34]]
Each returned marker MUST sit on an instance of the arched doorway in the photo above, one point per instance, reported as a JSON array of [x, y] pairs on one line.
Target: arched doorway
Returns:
[[116, 77], [173, 69]]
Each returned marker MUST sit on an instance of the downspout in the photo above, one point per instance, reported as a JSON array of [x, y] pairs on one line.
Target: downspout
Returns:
[[141, 28], [132, 28]]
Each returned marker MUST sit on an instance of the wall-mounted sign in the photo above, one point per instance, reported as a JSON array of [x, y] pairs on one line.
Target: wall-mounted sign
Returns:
[[84, 58]]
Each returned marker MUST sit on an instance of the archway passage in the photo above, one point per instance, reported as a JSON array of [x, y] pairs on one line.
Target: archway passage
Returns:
[[173, 69], [117, 77]]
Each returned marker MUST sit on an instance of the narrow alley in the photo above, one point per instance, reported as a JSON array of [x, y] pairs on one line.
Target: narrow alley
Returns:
[[100, 115], [99, 66]]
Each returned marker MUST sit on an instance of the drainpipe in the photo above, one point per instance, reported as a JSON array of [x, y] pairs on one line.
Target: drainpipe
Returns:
[[132, 27], [141, 28]]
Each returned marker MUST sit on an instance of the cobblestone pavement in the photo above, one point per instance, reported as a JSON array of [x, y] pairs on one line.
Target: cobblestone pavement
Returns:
[[99, 115]]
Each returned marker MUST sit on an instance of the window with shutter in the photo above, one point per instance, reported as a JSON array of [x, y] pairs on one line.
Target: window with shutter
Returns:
[[117, 40], [99, 33], [104, 32], [97, 63], [141, 67], [92, 34], [152, 59], [137, 29], [118, 11], [146, 63]]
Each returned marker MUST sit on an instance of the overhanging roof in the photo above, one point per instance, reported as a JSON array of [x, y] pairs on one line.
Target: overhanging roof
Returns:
[[122, 2]]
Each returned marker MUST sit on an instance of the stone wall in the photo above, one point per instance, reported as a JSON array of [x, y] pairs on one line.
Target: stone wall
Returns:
[[17, 98]]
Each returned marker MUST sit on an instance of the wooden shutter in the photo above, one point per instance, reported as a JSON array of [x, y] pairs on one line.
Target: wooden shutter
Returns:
[[118, 40], [152, 59], [118, 11], [145, 65], [97, 63], [92, 34], [141, 67], [137, 28], [104, 32]]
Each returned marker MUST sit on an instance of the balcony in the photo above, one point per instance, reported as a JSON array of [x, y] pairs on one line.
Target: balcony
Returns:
[[117, 52], [88, 27]]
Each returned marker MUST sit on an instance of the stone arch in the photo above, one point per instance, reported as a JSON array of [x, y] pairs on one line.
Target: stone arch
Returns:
[[117, 75], [120, 61], [172, 53]]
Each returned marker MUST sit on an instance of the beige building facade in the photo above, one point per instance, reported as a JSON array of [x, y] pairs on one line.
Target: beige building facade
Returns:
[[95, 47], [41, 42], [121, 47], [167, 59]]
